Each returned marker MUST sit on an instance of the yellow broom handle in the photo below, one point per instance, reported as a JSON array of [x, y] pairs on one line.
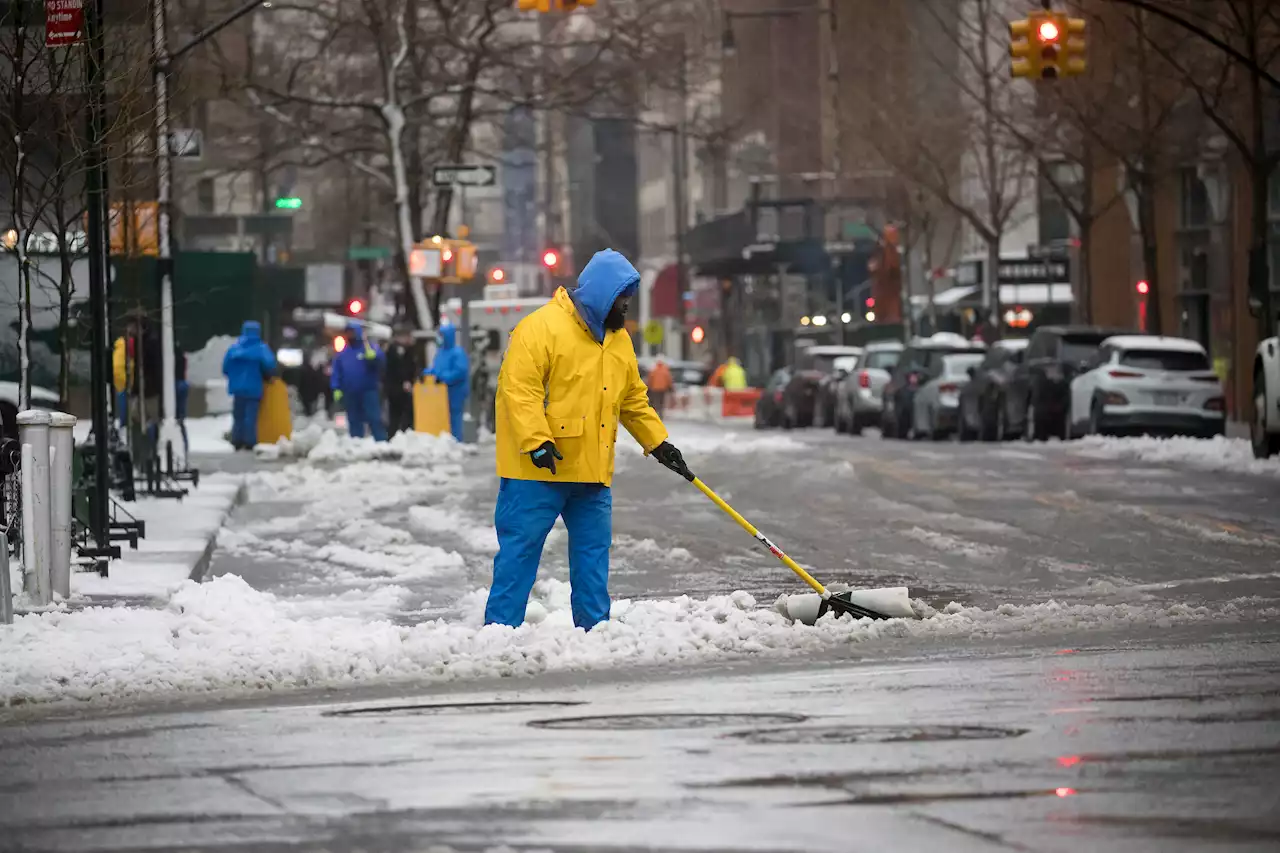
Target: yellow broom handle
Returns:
[[764, 540]]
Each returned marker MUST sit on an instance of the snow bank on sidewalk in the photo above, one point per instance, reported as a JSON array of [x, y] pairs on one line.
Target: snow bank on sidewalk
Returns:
[[322, 445], [225, 636], [1233, 455]]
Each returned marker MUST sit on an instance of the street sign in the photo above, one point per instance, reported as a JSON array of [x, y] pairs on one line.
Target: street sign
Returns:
[[187, 143], [653, 333], [368, 253], [63, 22], [464, 176]]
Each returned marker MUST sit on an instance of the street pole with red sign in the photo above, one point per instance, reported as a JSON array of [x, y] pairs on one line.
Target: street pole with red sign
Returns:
[[63, 23]]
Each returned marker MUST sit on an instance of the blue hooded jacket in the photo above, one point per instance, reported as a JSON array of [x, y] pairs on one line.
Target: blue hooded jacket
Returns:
[[451, 365], [247, 362], [606, 276], [354, 372]]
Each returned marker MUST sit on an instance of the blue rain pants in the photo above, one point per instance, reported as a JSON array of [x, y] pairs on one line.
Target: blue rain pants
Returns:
[[526, 512], [365, 408], [244, 420]]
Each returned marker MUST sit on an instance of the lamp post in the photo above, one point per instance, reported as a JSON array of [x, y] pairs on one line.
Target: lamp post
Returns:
[[170, 436], [827, 9]]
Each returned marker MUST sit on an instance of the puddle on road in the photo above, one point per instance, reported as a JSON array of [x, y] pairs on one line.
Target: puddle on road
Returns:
[[447, 708], [638, 722], [874, 734]]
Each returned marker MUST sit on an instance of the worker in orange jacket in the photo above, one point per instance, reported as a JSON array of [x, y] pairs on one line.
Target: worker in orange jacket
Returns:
[[660, 384]]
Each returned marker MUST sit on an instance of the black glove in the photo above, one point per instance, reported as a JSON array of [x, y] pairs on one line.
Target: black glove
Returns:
[[546, 456], [669, 456]]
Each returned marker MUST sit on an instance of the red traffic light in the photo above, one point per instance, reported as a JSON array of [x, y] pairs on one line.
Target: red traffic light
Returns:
[[697, 334], [1144, 288], [1048, 31], [550, 258], [355, 306], [497, 274], [871, 302]]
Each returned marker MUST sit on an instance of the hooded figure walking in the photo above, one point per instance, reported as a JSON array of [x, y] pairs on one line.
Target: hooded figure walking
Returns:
[[569, 377], [355, 380], [248, 362], [452, 369]]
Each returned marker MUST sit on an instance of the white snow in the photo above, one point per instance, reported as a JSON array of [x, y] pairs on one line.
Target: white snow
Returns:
[[1233, 455], [208, 435], [478, 538], [694, 440], [225, 636]]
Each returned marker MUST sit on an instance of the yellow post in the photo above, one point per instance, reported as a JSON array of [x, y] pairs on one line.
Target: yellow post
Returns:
[[274, 420], [430, 407]]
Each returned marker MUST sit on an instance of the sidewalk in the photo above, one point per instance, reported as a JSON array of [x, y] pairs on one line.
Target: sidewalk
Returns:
[[181, 537]]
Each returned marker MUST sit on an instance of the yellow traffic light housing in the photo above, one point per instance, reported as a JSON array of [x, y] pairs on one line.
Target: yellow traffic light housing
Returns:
[[1076, 47], [1048, 34], [1023, 60]]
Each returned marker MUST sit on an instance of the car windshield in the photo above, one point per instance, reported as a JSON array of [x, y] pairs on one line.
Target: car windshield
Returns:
[[958, 365], [1155, 359], [1077, 350], [883, 359], [846, 363]]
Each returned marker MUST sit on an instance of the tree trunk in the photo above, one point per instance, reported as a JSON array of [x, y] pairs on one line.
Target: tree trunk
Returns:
[[66, 288], [991, 299]]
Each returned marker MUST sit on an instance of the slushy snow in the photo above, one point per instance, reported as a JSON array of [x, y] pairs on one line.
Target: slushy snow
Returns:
[[224, 636], [1232, 455]]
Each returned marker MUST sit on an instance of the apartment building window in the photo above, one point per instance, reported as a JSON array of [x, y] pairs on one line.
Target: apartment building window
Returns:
[[205, 196], [1194, 194]]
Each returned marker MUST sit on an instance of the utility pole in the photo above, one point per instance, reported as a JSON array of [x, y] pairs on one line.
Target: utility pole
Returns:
[[833, 84], [95, 184], [170, 437]]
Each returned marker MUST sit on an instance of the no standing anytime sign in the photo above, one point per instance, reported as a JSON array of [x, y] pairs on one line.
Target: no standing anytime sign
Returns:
[[63, 22]]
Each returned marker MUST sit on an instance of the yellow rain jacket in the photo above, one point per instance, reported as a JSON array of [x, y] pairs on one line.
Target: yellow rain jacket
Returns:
[[121, 370], [567, 380]]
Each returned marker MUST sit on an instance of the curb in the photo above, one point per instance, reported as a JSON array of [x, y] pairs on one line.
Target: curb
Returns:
[[206, 557]]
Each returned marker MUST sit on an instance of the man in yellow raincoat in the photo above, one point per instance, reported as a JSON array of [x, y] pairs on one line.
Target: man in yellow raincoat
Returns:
[[568, 379]]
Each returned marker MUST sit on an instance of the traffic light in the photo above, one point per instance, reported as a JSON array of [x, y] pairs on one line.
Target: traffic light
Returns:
[[497, 275], [1076, 46], [1048, 39], [871, 302], [1143, 288], [1022, 61], [697, 335], [355, 306]]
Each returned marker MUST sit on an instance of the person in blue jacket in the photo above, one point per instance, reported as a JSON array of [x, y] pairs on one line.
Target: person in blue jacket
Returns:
[[248, 362], [357, 374], [452, 368]]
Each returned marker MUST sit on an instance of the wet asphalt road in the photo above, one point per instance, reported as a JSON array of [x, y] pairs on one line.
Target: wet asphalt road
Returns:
[[1137, 737]]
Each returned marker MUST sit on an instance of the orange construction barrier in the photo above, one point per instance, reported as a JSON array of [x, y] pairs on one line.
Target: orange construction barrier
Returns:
[[739, 404]]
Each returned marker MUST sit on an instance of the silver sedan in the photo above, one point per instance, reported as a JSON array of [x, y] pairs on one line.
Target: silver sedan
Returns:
[[936, 408]]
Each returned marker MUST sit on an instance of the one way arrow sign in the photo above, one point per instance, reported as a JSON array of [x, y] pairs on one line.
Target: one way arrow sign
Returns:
[[465, 176]]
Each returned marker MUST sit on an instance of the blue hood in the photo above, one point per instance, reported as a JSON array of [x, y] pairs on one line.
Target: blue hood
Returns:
[[448, 336], [250, 332], [355, 334], [606, 276]]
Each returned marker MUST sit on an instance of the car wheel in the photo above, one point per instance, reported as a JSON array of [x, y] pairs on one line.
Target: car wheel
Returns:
[[841, 424], [819, 415], [855, 426], [1264, 444], [935, 434], [1095, 418], [963, 433]]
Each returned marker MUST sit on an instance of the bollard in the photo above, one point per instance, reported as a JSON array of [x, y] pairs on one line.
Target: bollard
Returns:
[[33, 433], [6, 593], [62, 448]]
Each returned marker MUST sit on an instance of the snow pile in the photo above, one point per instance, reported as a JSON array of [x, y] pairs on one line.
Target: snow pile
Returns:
[[479, 538], [412, 449], [225, 636], [301, 443], [1232, 455], [631, 546]]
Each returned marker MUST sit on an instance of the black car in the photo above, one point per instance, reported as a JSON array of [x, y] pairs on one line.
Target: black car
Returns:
[[921, 359], [983, 401], [804, 402], [1038, 402], [769, 406]]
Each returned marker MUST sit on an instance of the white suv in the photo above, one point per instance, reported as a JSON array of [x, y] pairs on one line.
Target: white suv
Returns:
[[1144, 383]]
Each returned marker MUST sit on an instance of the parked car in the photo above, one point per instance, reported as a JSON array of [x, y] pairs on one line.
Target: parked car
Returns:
[[858, 395], [1264, 429], [769, 406], [800, 398], [982, 401], [1039, 399], [41, 398], [919, 358], [824, 408], [936, 405], [1148, 384]]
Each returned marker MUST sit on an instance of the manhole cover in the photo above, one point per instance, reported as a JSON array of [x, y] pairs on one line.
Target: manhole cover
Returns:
[[628, 722], [448, 708], [874, 734]]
